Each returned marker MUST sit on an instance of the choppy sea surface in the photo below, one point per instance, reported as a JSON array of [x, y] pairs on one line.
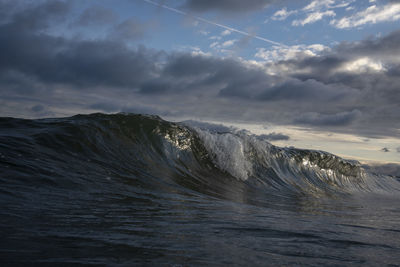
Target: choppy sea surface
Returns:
[[130, 189]]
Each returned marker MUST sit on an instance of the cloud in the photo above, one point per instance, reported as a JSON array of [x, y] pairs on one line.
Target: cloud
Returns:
[[214, 44], [314, 17], [316, 11], [81, 63], [96, 16], [38, 17], [106, 106], [130, 29], [368, 66], [347, 61], [229, 43], [317, 5], [227, 6], [37, 108], [278, 53], [372, 15], [215, 37], [305, 91], [283, 14], [338, 119], [322, 88], [203, 32], [226, 32], [207, 21]]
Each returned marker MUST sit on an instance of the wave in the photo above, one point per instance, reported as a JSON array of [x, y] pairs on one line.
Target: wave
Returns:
[[143, 151]]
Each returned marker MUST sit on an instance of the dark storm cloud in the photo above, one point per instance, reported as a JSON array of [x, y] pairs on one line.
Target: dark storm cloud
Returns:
[[383, 47], [308, 90], [106, 107], [130, 29], [324, 66], [96, 15], [7, 8], [27, 51], [37, 108], [189, 73], [369, 67], [321, 95], [317, 119], [229, 78], [331, 67], [81, 63], [232, 78], [227, 5], [38, 17]]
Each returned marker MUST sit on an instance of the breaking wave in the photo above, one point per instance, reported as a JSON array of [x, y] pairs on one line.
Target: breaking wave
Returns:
[[87, 150]]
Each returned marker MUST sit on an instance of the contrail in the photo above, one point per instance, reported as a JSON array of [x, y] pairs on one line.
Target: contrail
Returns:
[[215, 24]]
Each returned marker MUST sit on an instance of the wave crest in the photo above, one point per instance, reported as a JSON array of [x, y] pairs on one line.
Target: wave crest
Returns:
[[147, 149]]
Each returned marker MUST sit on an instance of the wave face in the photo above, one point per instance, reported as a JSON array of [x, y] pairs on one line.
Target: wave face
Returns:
[[56, 167]]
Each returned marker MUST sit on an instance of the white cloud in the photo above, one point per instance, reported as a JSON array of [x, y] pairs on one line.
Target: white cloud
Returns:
[[215, 38], [342, 4], [313, 17], [363, 64], [372, 15], [316, 10], [200, 53], [283, 14], [229, 43], [318, 5], [205, 33], [291, 52], [193, 50], [214, 44], [226, 33]]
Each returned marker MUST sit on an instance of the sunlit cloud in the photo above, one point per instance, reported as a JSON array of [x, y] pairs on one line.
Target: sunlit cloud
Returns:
[[372, 15]]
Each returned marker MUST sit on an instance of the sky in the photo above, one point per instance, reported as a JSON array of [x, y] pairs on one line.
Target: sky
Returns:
[[311, 74]]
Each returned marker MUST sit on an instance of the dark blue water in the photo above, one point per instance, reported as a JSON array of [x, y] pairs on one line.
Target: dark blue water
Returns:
[[136, 190]]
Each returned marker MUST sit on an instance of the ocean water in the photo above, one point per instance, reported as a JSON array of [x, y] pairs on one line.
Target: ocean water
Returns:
[[131, 189]]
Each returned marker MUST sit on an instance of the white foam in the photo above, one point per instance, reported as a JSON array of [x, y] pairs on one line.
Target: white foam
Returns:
[[229, 151]]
